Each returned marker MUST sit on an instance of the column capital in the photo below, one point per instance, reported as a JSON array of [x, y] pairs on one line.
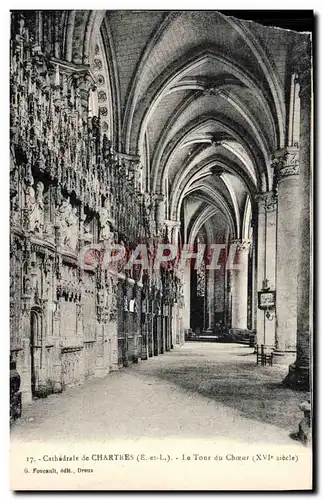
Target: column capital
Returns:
[[285, 163], [159, 197], [130, 158], [79, 74], [242, 244], [173, 227], [172, 224], [267, 202]]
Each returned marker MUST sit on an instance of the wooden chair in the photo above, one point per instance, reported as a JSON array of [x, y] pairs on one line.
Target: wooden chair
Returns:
[[264, 354]]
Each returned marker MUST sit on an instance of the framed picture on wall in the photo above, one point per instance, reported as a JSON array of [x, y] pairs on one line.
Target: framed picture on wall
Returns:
[[266, 299]]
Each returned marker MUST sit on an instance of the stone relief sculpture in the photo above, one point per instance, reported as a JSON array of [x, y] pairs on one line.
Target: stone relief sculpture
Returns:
[[28, 177], [66, 221], [35, 208], [72, 232], [85, 228], [61, 215], [48, 229], [14, 211], [113, 299], [101, 297], [27, 286], [106, 222]]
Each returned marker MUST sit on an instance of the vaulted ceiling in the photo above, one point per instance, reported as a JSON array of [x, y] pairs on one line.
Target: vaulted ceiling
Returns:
[[201, 100]]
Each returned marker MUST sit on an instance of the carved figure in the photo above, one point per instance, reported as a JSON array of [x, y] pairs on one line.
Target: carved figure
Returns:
[[113, 299], [72, 231], [101, 297], [27, 286], [106, 222], [35, 207], [85, 228], [67, 224]]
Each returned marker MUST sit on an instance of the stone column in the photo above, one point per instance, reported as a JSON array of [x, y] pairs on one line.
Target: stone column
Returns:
[[239, 288], [173, 227], [57, 365], [227, 296], [164, 319], [144, 326], [210, 304], [176, 233], [113, 344], [187, 296], [112, 325], [299, 372], [254, 283], [219, 290], [181, 329], [160, 211], [286, 166], [266, 262], [174, 325], [25, 373], [151, 332], [100, 367]]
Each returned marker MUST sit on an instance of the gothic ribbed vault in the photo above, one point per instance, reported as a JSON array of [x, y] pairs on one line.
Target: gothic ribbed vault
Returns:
[[151, 128]]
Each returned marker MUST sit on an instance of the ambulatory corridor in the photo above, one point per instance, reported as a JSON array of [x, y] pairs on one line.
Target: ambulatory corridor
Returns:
[[161, 244], [200, 390]]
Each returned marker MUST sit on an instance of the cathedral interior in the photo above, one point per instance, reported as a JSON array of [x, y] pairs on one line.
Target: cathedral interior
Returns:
[[182, 128]]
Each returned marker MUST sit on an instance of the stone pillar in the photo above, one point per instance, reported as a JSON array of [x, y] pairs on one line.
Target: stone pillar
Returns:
[[173, 227], [254, 283], [111, 328], [176, 233], [57, 365], [181, 330], [286, 166], [227, 296], [239, 288], [219, 290], [151, 331], [187, 296], [137, 325], [112, 331], [25, 374], [164, 320], [170, 328], [101, 368], [210, 303], [160, 211], [299, 372], [174, 325], [266, 262], [144, 326]]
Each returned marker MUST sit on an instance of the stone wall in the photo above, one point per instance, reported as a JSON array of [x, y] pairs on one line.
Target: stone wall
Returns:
[[70, 317]]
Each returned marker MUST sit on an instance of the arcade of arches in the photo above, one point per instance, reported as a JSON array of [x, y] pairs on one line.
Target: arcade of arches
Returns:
[[127, 127]]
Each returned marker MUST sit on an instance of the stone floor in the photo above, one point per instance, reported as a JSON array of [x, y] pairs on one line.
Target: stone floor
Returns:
[[199, 390]]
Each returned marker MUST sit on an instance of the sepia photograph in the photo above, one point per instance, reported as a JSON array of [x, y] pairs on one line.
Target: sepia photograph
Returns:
[[161, 250]]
